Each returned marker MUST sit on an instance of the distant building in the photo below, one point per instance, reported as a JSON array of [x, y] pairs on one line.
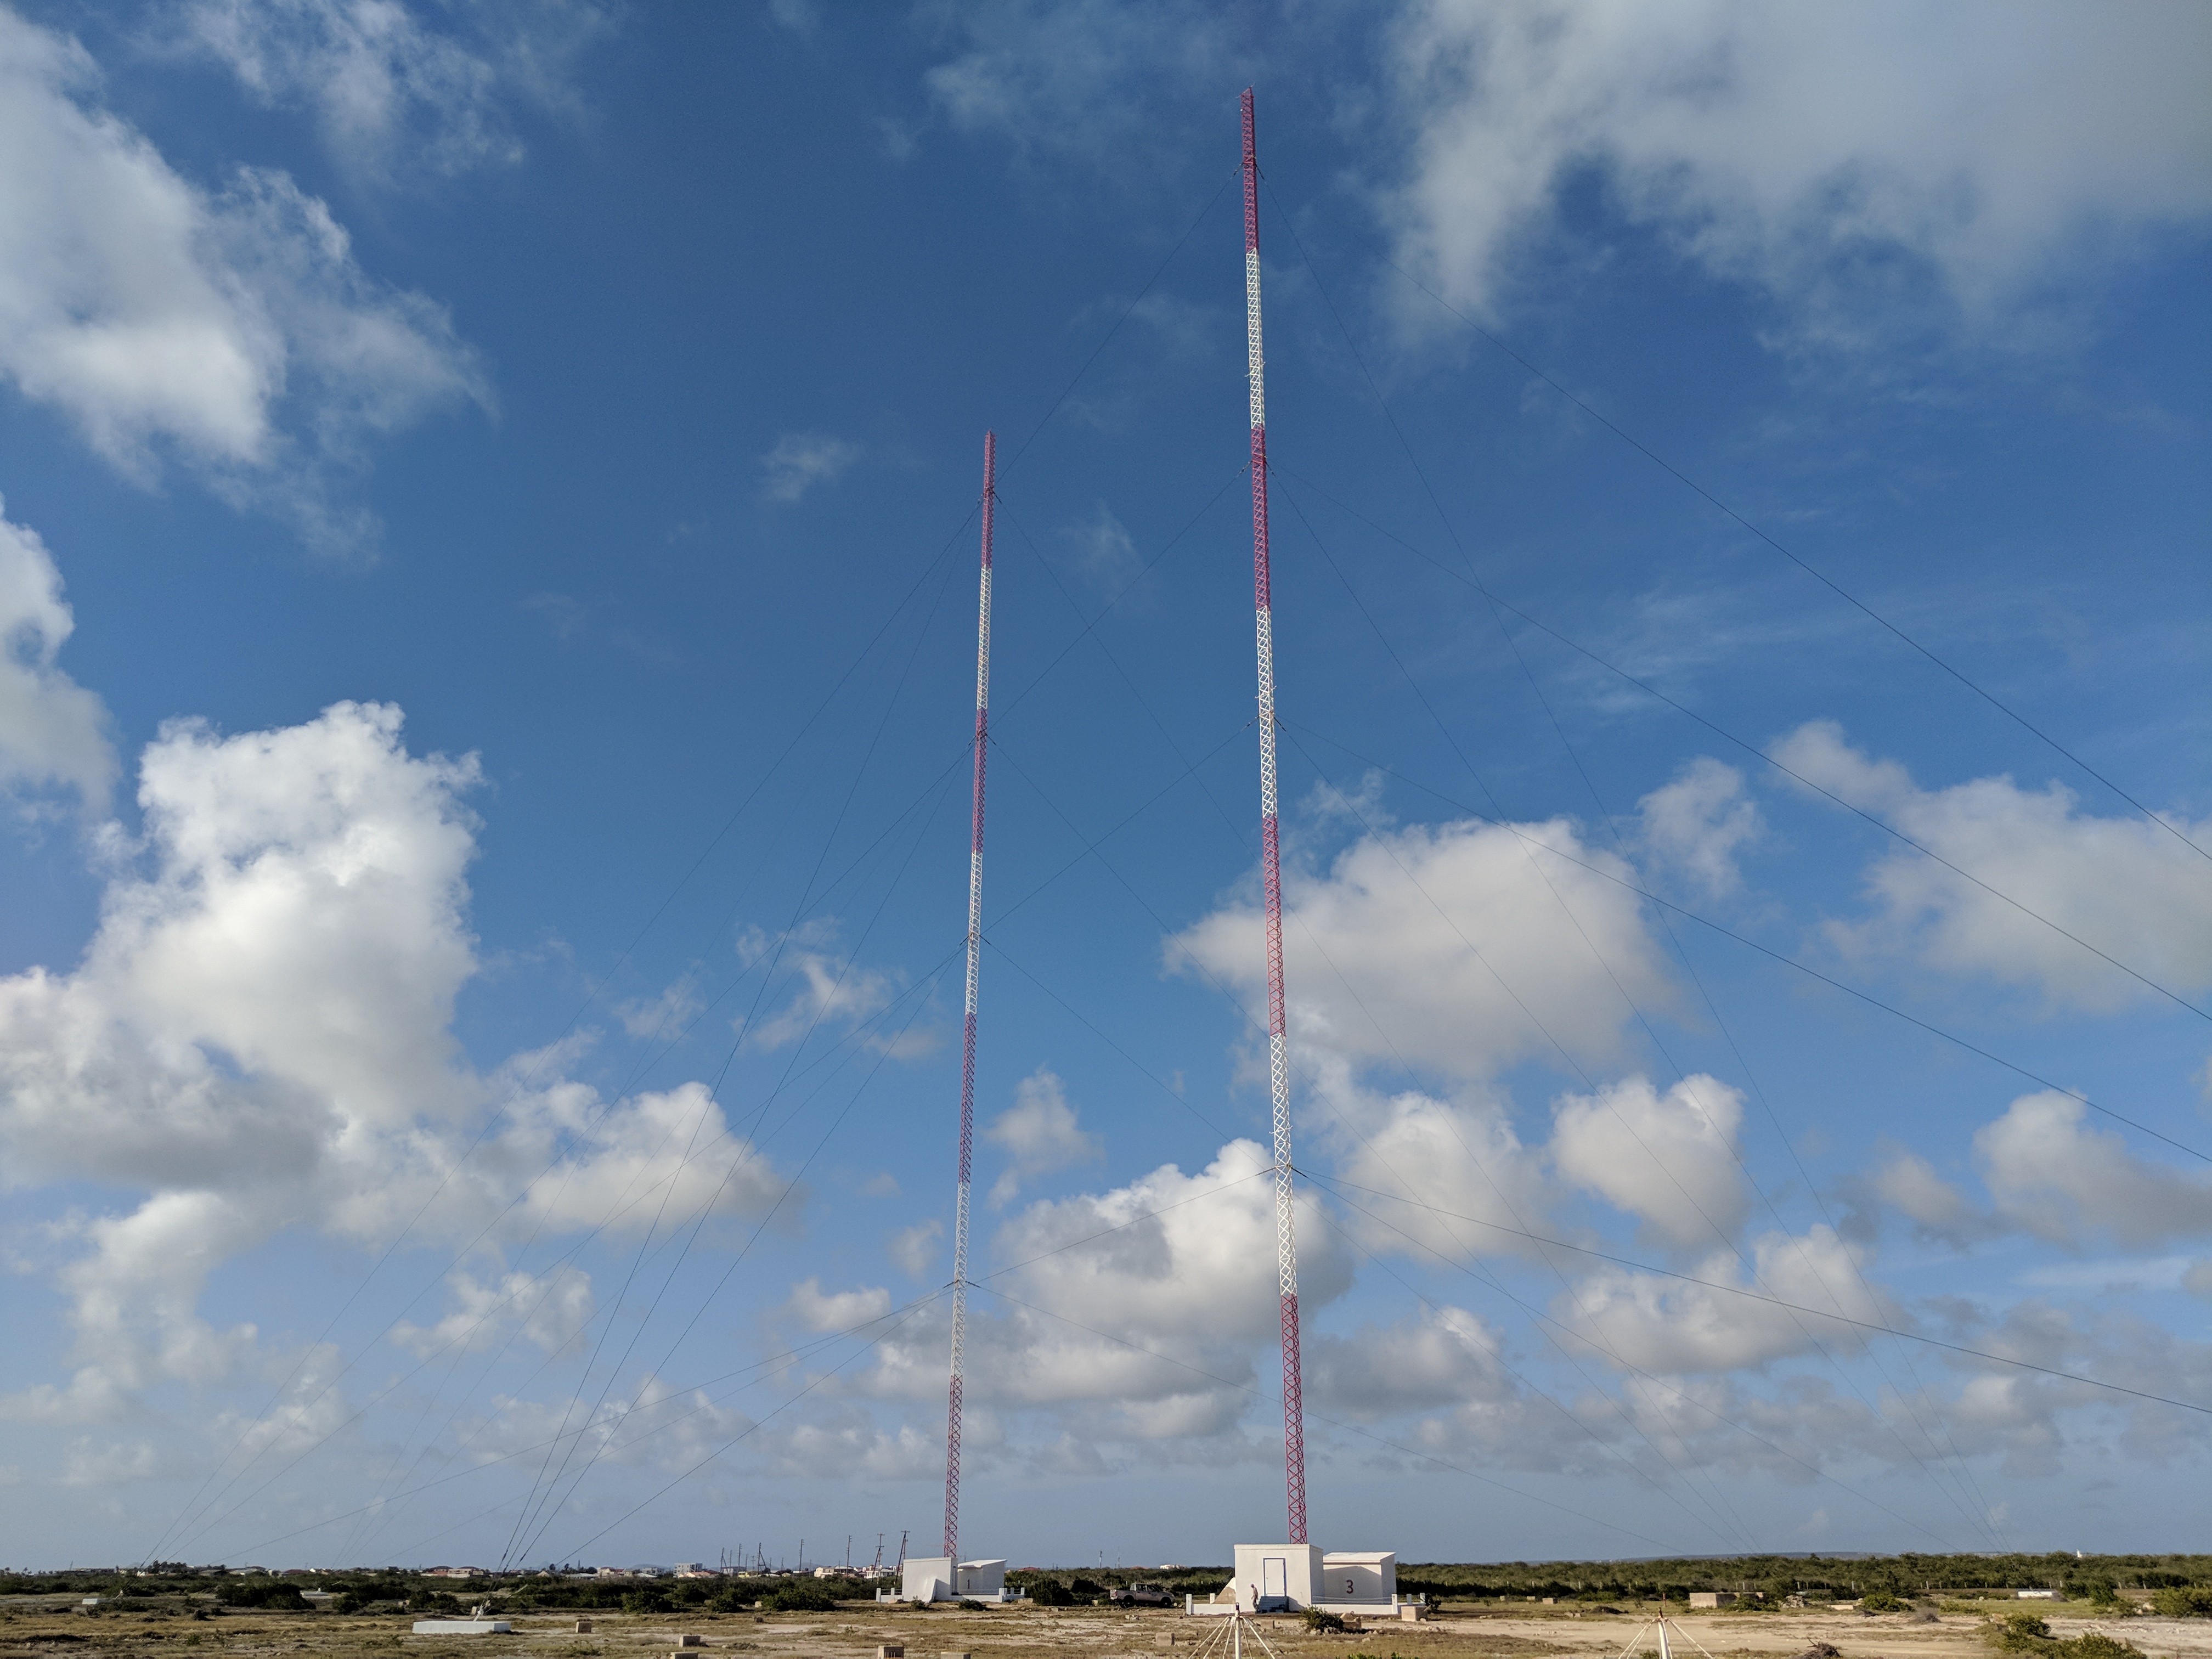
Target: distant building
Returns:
[[1712, 1598]]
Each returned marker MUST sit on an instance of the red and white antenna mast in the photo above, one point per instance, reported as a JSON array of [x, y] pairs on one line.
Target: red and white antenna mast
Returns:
[[1278, 1066], [968, 1035]]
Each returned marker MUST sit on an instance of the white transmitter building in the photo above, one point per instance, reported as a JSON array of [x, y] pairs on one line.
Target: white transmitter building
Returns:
[[1292, 1578], [941, 1578]]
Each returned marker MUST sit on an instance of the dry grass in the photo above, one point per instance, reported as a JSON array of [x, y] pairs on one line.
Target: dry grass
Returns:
[[51, 1629]]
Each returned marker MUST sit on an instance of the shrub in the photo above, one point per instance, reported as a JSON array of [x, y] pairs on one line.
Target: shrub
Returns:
[[1315, 1619], [1051, 1593], [1883, 1601], [2097, 1592], [273, 1594], [966, 1605], [433, 1602], [1082, 1587], [804, 1596], [2095, 1644], [2185, 1602], [652, 1598], [2022, 1631]]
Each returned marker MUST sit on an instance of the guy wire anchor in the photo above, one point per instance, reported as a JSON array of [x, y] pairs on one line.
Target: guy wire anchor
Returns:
[[1226, 1640], [1665, 1652]]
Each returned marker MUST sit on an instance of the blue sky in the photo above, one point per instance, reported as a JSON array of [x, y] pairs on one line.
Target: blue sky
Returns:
[[488, 566]]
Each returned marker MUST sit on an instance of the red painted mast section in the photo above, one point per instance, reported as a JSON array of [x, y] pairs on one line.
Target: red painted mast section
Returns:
[[1278, 1072], [968, 1034]]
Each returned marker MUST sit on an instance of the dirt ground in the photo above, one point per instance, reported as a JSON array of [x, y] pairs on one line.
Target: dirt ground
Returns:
[[51, 1629]]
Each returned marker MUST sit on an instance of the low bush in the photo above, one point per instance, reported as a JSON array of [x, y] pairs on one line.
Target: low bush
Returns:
[[2095, 1644], [805, 1596], [273, 1594], [2183, 1601], [1051, 1593], [1883, 1601], [1315, 1619], [2023, 1632]]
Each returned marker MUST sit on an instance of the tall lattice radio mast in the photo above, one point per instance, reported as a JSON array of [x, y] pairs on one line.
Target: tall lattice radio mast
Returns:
[[1279, 1067], [968, 1035]]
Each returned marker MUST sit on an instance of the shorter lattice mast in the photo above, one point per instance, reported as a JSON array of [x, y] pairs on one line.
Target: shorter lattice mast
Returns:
[[968, 1034]]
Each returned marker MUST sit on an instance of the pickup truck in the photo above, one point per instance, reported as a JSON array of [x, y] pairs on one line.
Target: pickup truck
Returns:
[[1141, 1595]]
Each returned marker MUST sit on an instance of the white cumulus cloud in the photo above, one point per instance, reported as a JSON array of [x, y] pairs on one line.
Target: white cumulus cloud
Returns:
[[1668, 1160], [1447, 1357], [802, 460], [2054, 1175], [232, 329], [1699, 821], [1135, 1314], [1674, 1328], [2123, 884], [1909, 1184], [52, 731], [259, 1037], [1432, 1173], [1460, 947], [380, 81], [546, 1309], [1088, 77], [1040, 1132], [1803, 148], [813, 1309]]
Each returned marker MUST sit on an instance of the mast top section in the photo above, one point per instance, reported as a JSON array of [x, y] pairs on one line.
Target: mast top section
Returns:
[[1251, 179]]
